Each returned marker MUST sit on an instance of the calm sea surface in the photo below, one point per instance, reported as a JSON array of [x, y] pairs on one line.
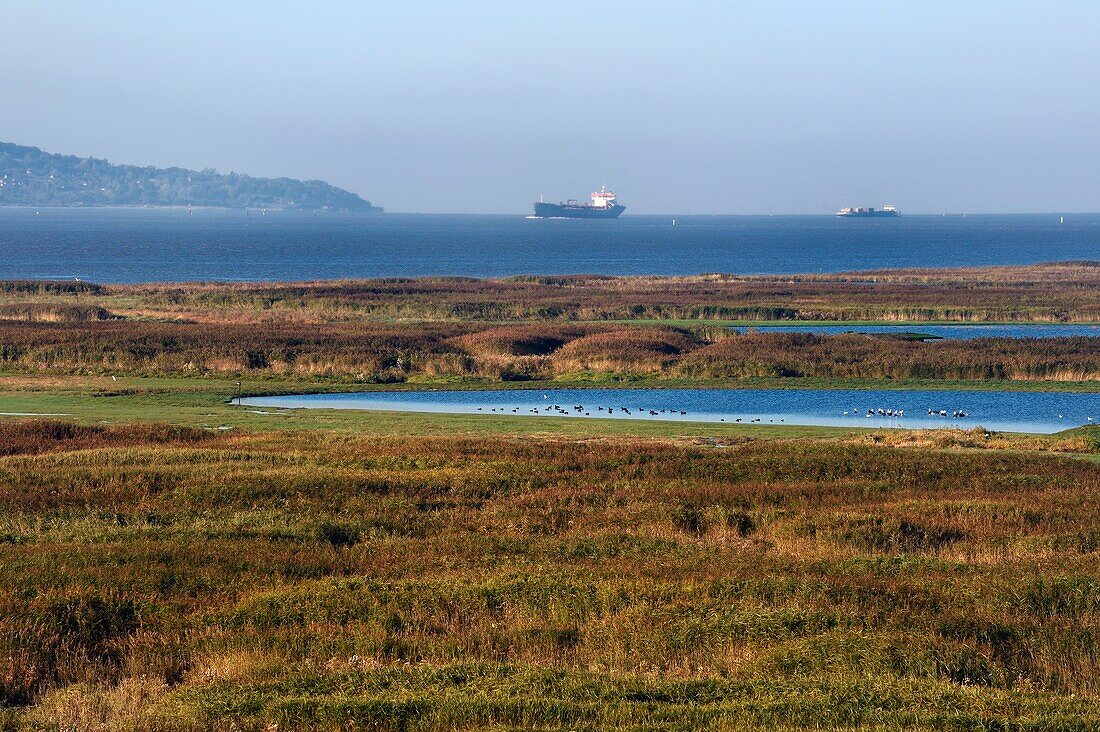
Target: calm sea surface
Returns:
[[1017, 411], [140, 245]]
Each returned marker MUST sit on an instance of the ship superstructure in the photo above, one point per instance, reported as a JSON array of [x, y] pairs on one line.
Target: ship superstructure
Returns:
[[603, 205]]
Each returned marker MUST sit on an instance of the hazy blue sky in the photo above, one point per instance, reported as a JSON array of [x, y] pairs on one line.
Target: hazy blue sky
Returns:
[[735, 107]]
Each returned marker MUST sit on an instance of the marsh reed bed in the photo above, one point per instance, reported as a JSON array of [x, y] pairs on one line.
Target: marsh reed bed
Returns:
[[158, 578], [373, 352], [546, 327], [353, 576], [1065, 292]]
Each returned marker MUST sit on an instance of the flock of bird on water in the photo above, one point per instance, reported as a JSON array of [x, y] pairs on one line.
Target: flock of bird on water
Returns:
[[580, 410]]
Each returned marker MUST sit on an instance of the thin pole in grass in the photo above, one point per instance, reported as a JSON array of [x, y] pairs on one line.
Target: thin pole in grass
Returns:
[[238, 393]]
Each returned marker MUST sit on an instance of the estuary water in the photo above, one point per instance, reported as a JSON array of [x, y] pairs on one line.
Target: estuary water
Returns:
[[171, 245], [1016, 411]]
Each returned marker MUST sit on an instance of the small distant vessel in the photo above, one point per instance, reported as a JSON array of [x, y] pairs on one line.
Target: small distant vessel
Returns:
[[887, 211], [604, 205]]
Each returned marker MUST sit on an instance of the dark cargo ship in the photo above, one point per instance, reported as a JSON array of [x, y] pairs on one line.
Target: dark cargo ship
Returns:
[[886, 211], [603, 206]]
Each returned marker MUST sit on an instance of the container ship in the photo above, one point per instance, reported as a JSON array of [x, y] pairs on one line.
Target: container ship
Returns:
[[886, 211], [603, 206]]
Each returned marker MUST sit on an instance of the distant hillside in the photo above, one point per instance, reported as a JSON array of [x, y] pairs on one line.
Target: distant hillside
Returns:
[[31, 177]]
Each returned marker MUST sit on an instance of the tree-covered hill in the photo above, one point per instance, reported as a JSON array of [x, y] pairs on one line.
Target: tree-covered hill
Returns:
[[29, 176]]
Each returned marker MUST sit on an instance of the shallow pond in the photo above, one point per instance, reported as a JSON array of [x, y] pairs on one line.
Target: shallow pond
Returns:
[[1015, 411], [965, 332]]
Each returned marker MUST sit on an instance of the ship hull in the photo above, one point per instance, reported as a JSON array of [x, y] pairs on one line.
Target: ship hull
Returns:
[[566, 211]]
